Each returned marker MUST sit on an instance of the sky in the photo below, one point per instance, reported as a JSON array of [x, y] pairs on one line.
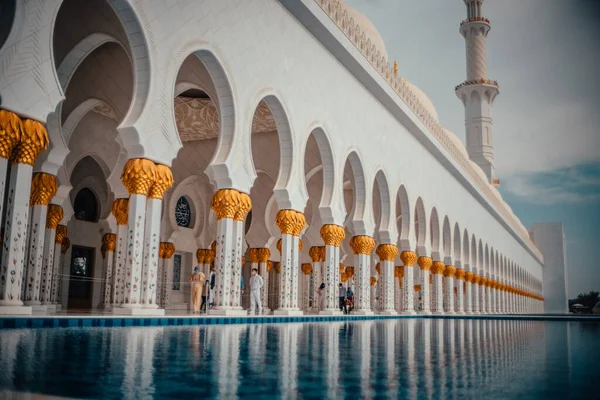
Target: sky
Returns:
[[545, 56]]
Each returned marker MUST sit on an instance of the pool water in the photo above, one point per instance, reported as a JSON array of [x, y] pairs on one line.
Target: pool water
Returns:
[[405, 358]]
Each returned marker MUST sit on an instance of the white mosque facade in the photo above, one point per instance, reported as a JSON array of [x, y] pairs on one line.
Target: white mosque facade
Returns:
[[143, 138]]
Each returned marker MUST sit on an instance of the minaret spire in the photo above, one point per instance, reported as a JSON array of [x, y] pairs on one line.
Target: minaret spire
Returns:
[[478, 93]]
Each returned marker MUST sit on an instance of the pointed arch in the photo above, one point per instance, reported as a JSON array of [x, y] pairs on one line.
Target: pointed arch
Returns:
[[357, 215], [403, 218], [447, 238], [385, 229], [457, 246], [420, 224], [434, 228]]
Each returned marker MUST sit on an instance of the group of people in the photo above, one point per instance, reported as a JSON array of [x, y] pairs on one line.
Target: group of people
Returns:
[[345, 297], [204, 290]]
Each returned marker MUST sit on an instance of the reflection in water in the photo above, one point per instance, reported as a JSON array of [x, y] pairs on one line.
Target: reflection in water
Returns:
[[409, 358]]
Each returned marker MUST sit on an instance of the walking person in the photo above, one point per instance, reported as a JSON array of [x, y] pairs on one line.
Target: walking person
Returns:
[[205, 290], [342, 298], [211, 292], [350, 299], [256, 284], [196, 278], [322, 297]]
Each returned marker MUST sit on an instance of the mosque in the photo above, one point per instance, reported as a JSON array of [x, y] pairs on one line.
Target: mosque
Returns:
[[143, 139]]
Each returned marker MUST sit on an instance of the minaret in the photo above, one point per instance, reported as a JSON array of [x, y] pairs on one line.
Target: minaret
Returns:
[[478, 93]]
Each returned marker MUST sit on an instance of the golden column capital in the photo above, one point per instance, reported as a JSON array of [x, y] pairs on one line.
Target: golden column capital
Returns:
[[460, 274], [11, 129], [209, 256], [300, 245], [343, 277], [109, 243], [253, 255], [64, 246], [449, 271], [43, 188], [162, 183], [378, 268], [315, 253], [362, 244], [373, 281], [341, 268], [332, 235], [399, 271], [61, 234], [408, 258], [307, 268], [286, 220], [424, 263], [278, 245], [350, 272], [323, 253], [437, 267], [387, 252], [483, 280], [201, 256], [169, 249], [120, 210], [417, 288], [54, 216], [225, 203], [277, 266], [244, 207], [469, 277], [34, 140], [300, 224], [263, 254], [161, 250], [269, 266], [138, 176]]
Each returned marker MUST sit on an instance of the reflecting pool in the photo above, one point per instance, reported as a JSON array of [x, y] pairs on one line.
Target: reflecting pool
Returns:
[[405, 358]]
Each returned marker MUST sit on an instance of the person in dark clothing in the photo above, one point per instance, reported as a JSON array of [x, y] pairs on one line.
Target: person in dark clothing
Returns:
[[342, 298], [205, 290]]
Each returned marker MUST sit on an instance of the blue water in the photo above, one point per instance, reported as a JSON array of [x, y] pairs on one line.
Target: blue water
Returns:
[[408, 358]]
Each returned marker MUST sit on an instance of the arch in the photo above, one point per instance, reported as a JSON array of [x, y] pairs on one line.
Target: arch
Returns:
[[492, 263], [466, 255], [457, 247], [474, 261], [486, 260], [385, 228], [481, 262], [420, 223], [434, 228], [356, 217], [403, 218], [447, 239]]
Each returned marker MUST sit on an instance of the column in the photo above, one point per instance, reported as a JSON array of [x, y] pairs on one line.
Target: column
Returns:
[[460, 292], [43, 188], [362, 246], [398, 276], [57, 284], [120, 210], [138, 176], [277, 266], [109, 244], [11, 129], [476, 280], [425, 264], [33, 140], [306, 269], [387, 254], [488, 295], [437, 269], [373, 293], [53, 218], [449, 272], [60, 237], [469, 293], [225, 204], [315, 256], [492, 295], [290, 224], [239, 221], [264, 267], [168, 251], [332, 235], [482, 295], [162, 182], [408, 298]]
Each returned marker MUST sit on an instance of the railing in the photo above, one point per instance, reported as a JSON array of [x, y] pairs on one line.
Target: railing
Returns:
[[477, 82], [474, 19], [338, 14]]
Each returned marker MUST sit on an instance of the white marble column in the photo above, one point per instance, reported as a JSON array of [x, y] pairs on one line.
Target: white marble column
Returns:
[[437, 269], [460, 290], [296, 269], [362, 247], [332, 235], [407, 288], [109, 244], [449, 273], [11, 130], [488, 294], [264, 267], [290, 224], [373, 293], [469, 292], [58, 278], [53, 218], [398, 275], [425, 263], [168, 251], [43, 188], [306, 270], [33, 140], [120, 210], [387, 254], [315, 256], [482, 294]]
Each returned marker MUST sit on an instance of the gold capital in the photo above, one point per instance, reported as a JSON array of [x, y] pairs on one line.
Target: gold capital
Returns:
[[373, 281], [315, 253], [11, 128], [34, 140], [408, 258], [417, 288], [399, 272], [286, 220], [378, 268], [163, 182], [138, 176], [43, 188], [279, 246], [263, 254], [362, 244], [332, 235], [449, 271], [269, 265], [253, 255], [277, 266], [350, 271], [169, 249], [225, 203], [61, 234], [468, 276], [306, 268], [64, 246], [387, 252], [54, 216], [460, 274], [323, 250], [109, 243], [341, 268], [243, 208], [201, 256], [120, 210], [437, 267], [424, 263], [343, 277]]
